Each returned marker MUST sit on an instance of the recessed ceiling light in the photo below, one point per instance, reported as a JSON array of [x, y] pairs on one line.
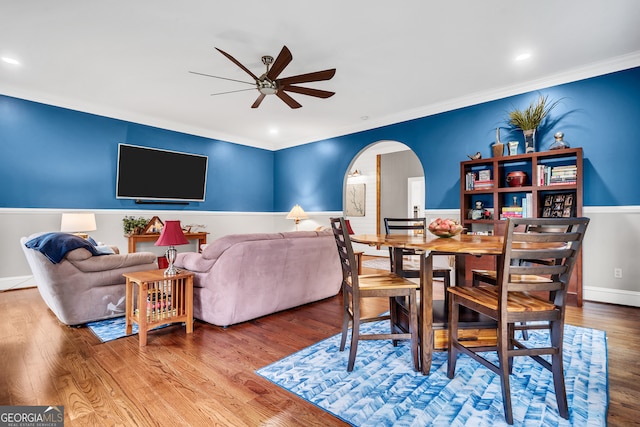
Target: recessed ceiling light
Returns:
[[10, 60], [273, 131], [523, 56]]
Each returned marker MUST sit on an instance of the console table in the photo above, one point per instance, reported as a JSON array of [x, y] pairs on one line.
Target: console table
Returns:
[[201, 237]]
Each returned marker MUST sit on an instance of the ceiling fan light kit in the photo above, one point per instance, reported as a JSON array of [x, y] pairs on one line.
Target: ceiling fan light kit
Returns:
[[269, 83]]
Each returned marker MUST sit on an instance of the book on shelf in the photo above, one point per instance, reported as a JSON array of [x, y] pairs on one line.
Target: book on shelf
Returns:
[[527, 206], [511, 212], [479, 185], [547, 175], [563, 182], [469, 179], [473, 181]]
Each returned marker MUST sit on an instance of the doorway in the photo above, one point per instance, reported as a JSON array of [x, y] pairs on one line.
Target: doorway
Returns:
[[391, 177]]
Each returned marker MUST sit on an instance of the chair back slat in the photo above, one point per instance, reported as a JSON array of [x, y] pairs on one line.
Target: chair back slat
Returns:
[[524, 286], [391, 224]]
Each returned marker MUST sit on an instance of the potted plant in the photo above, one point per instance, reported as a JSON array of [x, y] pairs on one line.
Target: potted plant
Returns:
[[133, 225], [530, 118]]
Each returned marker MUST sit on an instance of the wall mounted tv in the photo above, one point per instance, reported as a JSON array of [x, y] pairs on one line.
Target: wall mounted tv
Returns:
[[151, 174]]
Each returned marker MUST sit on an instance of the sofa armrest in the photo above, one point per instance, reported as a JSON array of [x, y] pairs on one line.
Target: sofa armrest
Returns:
[[113, 262], [195, 262]]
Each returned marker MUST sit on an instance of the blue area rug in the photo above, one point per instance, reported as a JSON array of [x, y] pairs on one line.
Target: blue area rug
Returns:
[[383, 390], [112, 329]]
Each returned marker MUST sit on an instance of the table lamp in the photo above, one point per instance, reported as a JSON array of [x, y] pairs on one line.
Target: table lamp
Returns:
[[78, 223], [297, 213], [171, 235]]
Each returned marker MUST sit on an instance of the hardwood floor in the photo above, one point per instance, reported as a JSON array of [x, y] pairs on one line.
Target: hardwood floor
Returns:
[[208, 377]]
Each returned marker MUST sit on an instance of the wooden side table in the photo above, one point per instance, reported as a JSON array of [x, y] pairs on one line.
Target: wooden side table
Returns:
[[154, 299]]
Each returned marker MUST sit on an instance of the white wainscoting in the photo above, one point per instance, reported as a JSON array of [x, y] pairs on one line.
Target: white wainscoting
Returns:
[[612, 240]]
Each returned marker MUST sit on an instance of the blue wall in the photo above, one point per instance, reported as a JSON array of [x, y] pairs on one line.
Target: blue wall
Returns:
[[58, 158], [599, 114]]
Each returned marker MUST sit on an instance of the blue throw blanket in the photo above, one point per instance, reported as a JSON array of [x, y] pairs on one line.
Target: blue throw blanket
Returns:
[[56, 245]]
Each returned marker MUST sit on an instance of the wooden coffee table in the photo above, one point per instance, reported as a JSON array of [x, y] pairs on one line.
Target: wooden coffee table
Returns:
[[154, 299]]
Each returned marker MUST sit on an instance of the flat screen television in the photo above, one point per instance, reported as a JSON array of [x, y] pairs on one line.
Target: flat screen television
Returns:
[[154, 174]]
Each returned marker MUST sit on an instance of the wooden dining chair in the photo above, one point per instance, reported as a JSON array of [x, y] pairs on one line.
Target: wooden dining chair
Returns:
[[356, 287], [510, 301], [418, 226], [490, 277]]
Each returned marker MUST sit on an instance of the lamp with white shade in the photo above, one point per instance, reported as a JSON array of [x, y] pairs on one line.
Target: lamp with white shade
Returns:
[[78, 223], [297, 213]]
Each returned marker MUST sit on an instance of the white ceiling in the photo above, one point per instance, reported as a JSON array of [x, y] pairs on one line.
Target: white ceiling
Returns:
[[395, 60]]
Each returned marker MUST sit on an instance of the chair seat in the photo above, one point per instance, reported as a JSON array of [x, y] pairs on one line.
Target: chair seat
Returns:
[[515, 278], [517, 302]]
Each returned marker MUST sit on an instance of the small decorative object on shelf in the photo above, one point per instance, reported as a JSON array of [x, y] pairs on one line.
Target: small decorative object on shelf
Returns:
[[498, 147], [154, 226], [559, 205], [445, 227], [476, 156], [513, 147], [516, 178], [477, 211], [559, 142], [530, 118]]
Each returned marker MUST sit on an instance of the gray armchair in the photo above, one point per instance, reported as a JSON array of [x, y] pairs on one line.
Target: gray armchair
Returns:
[[84, 287]]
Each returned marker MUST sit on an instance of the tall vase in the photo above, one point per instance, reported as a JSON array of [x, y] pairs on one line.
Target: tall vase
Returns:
[[529, 140]]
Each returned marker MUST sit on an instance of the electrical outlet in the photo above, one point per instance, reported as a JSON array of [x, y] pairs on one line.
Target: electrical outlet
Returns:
[[617, 273]]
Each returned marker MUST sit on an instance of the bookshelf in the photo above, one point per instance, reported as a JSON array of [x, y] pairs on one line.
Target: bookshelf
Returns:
[[553, 186]]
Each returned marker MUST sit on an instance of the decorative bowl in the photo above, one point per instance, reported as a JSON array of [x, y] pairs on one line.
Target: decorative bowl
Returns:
[[516, 178], [445, 227]]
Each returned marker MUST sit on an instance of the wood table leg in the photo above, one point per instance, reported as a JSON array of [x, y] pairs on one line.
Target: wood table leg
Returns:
[[426, 312], [189, 307], [142, 313], [129, 307]]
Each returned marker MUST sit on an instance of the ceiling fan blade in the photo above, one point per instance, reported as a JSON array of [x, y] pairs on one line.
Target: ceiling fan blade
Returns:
[[288, 100], [309, 77], [235, 61], [231, 91], [256, 104], [223, 78], [283, 59], [308, 91]]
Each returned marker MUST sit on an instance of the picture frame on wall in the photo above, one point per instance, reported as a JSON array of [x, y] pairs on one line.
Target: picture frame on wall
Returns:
[[355, 200], [559, 205]]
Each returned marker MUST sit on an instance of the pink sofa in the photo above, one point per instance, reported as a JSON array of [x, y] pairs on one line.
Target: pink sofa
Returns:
[[240, 277]]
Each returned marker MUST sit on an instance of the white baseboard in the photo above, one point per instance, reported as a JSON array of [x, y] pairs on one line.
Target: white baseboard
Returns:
[[612, 296], [18, 282]]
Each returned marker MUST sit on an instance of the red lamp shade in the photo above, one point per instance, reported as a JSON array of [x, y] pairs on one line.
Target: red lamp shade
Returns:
[[347, 223], [172, 234]]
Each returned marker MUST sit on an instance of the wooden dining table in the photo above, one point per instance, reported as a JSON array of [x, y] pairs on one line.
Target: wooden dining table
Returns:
[[429, 245]]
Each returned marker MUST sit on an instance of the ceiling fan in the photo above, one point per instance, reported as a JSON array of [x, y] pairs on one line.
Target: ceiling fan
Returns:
[[269, 83]]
